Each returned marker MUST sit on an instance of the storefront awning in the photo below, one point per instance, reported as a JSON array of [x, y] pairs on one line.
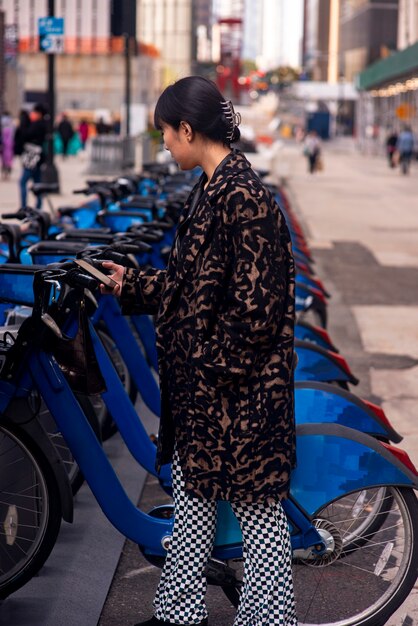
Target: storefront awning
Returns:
[[396, 66]]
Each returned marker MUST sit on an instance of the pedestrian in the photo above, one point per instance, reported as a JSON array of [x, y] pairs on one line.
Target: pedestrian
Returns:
[[83, 131], [101, 127], [312, 150], [7, 142], [391, 142], [30, 144], [405, 147], [116, 126], [66, 132], [224, 318]]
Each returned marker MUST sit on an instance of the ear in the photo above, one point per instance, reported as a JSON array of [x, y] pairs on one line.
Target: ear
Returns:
[[187, 130]]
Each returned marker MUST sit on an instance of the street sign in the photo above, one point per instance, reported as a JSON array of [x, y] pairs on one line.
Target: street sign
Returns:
[[51, 34]]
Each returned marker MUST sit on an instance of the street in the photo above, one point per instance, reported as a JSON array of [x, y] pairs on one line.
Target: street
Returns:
[[361, 220]]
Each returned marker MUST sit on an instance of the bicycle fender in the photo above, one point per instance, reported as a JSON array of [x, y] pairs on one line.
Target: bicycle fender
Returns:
[[35, 431], [321, 402], [334, 460], [317, 363]]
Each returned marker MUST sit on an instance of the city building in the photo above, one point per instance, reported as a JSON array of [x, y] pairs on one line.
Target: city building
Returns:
[[388, 98], [407, 23], [368, 32], [273, 32], [90, 73], [316, 39], [167, 25]]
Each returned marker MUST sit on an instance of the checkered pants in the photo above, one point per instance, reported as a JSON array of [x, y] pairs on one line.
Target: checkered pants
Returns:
[[267, 594]]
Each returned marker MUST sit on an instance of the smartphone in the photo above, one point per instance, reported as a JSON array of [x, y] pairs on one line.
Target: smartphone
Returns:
[[103, 278]]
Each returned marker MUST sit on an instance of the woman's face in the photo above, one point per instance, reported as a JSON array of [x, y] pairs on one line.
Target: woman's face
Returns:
[[178, 143]]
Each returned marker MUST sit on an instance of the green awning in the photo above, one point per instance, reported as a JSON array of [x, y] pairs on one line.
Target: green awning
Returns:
[[384, 71]]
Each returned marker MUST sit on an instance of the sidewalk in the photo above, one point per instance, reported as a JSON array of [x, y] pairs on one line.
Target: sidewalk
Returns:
[[72, 174], [362, 222]]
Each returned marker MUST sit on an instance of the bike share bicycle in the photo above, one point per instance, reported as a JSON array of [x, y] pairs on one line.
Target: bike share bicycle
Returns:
[[328, 542]]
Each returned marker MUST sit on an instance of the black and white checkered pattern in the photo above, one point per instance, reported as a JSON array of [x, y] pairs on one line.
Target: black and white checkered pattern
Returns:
[[267, 596]]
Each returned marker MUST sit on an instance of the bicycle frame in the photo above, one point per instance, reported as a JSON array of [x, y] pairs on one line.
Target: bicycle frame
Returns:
[[109, 312], [361, 462]]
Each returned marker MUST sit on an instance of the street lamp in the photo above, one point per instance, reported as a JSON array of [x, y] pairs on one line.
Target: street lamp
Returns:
[[48, 169]]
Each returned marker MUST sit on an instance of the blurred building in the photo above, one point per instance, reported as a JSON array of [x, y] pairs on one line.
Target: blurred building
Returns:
[[320, 43], [168, 27], [407, 23], [272, 32], [342, 37], [90, 74], [368, 32]]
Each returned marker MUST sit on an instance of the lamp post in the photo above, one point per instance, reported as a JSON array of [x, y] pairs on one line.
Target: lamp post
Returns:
[[48, 169]]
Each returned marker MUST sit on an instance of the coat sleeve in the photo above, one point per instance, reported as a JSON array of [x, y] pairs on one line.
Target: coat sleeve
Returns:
[[257, 314], [141, 291]]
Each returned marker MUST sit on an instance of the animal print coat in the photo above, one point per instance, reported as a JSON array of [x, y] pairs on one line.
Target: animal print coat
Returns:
[[225, 322]]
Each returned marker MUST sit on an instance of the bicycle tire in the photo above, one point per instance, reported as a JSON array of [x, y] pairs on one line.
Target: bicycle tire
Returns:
[[366, 597], [30, 508]]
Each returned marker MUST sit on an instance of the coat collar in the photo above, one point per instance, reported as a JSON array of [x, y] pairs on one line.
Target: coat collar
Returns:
[[233, 163], [229, 167]]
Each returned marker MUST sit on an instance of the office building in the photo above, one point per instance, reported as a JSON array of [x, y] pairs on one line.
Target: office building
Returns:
[[90, 73], [368, 32]]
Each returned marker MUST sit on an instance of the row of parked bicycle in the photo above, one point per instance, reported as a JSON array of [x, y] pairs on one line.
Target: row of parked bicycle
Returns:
[[72, 366]]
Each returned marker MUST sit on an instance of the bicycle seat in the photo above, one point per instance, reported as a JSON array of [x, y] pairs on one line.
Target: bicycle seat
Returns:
[[40, 188], [57, 247], [98, 235]]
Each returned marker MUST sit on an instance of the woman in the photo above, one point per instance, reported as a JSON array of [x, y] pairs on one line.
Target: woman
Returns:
[[83, 130], [225, 315], [7, 140], [312, 150]]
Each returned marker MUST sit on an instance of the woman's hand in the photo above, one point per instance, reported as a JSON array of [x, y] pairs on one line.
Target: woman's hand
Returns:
[[117, 276]]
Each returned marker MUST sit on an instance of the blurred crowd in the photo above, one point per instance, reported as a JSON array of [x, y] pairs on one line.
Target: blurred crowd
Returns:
[[26, 138]]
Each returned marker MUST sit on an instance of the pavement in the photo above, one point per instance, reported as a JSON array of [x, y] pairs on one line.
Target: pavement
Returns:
[[361, 220]]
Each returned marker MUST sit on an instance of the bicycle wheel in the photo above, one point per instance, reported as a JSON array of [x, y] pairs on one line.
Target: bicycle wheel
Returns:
[[362, 586], [369, 509], [108, 426], [30, 509]]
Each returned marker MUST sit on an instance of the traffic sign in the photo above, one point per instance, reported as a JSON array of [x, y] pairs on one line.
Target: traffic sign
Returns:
[[51, 34]]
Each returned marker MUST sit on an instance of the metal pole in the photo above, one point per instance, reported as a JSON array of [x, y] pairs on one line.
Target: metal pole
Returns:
[[49, 170], [128, 40]]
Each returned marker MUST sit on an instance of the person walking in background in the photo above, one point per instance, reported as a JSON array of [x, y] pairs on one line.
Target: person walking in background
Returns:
[[312, 150], [405, 147], [101, 127], [29, 144], [225, 329], [7, 145], [66, 132], [83, 130], [391, 142]]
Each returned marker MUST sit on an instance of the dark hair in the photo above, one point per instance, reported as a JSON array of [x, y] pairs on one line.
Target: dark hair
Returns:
[[24, 118], [197, 101], [40, 108]]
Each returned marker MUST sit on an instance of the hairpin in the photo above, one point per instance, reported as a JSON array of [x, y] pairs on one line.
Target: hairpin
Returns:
[[233, 119]]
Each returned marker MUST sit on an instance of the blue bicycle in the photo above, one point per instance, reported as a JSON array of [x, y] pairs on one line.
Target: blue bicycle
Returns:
[[336, 555]]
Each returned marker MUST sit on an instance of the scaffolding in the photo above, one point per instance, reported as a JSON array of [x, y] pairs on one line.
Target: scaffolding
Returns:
[[230, 20]]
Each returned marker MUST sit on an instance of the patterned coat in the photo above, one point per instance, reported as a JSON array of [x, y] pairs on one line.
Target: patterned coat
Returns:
[[225, 325]]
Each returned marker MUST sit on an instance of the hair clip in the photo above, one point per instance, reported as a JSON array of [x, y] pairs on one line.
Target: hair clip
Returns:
[[233, 119]]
